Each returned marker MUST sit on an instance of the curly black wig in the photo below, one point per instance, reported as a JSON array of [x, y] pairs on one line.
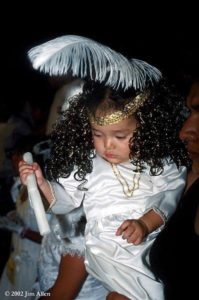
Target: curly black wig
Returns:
[[156, 138]]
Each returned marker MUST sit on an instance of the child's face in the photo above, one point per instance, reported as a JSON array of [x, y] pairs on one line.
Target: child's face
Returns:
[[112, 141]]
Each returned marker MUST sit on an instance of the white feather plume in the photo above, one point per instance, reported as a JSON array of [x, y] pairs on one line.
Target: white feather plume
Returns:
[[144, 73], [86, 58]]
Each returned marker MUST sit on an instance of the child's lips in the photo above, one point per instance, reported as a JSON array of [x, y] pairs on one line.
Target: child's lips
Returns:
[[110, 155]]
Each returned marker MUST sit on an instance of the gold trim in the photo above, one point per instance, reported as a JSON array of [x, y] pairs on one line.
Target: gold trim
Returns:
[[118, 116]]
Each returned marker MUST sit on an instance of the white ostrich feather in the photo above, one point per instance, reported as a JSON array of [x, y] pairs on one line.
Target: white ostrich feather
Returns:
[[85, 58], [144, 73]]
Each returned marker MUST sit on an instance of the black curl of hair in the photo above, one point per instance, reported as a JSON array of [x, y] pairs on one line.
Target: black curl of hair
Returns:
[[157, 136], [71, 143]]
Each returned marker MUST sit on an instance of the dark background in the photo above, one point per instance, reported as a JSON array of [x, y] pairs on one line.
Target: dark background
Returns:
[[160, 35]]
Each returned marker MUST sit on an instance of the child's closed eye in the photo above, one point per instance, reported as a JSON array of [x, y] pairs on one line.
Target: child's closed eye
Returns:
[[121, 137]]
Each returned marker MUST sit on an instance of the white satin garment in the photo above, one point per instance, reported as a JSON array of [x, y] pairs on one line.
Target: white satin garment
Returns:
[[121, 266]]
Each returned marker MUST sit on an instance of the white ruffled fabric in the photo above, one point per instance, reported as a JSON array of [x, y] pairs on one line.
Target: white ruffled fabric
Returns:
[[121, 266]]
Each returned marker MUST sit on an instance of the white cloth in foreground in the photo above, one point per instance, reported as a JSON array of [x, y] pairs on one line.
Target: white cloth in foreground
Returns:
[[20, 271], [121, 266]]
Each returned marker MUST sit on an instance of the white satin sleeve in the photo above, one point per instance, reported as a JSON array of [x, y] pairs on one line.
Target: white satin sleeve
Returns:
[[167, 190], [67, 195]]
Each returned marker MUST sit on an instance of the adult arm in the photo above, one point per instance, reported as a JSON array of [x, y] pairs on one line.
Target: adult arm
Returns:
[[71, 276], [116, 296]]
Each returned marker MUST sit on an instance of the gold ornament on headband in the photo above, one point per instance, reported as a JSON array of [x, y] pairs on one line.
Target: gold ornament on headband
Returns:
[[119, 115]]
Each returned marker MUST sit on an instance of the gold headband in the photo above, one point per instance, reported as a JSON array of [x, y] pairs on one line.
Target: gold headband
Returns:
[[120, 115]]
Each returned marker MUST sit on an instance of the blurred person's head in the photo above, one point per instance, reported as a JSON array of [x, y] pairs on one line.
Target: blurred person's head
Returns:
[[190, 130], [23, 144]]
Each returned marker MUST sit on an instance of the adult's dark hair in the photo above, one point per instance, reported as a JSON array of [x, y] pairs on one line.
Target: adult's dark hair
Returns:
[[156, 138]]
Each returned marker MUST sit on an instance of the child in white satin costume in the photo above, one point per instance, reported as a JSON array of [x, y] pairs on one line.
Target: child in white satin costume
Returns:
[[118, 154]]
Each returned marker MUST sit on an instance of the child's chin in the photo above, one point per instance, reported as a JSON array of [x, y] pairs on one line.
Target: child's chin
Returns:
[[113, 160]]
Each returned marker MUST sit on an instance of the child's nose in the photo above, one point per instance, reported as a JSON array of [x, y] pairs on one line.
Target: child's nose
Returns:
[[108, 144]]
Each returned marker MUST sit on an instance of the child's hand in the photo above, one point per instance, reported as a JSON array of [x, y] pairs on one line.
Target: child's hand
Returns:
[[133, 231], [26, 169]]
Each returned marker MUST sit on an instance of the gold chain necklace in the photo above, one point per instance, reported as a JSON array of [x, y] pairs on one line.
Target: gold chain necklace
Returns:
[[128, 191]]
